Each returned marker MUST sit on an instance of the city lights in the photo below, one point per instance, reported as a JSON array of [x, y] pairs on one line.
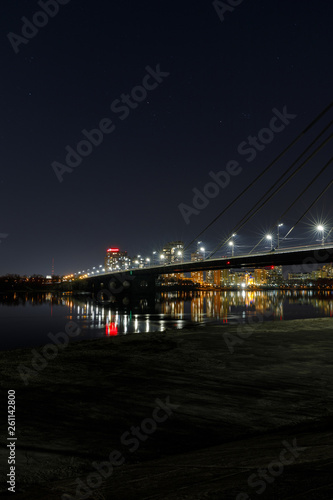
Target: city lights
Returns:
[[232, 245], [172, 252], [321, 229], [269, 237], [278, 234]]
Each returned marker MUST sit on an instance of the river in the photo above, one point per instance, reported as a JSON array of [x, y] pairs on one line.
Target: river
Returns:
[[28, 319]]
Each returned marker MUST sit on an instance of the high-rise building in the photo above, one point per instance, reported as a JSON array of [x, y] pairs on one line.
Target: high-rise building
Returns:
[[225, 277], [326, 271], [218, 277], [116, 260], [274, 275], [173, 252], [260, 276]]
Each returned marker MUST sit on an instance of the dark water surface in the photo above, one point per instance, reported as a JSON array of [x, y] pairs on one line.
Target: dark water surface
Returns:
[[27, 319]]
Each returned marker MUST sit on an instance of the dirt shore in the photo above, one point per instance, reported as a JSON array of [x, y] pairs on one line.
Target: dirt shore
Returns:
[[208, 418]]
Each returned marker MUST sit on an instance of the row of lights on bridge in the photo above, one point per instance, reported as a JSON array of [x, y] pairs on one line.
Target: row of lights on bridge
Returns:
[[320, 228]]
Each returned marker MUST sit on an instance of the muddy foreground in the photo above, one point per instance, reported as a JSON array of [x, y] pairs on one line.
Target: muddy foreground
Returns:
[[179, 414]]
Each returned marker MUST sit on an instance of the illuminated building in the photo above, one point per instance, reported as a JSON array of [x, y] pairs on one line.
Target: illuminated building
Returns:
[[298, 278], [260, 277], [197, 276], [138, 261], [326, 271], [225, 277], [274, 275], [173, 252], [213, 278], [218, 277], [116, 260], [210, 277]]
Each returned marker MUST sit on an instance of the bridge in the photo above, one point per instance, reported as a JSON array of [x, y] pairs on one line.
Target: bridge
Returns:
[[117, 286], [299, 256], [310, 254]]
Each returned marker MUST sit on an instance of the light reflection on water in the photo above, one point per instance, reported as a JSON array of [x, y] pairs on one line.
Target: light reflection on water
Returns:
[[28, 318]]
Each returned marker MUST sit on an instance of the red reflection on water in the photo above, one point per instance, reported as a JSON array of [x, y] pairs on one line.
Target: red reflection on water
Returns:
[[111, 329]]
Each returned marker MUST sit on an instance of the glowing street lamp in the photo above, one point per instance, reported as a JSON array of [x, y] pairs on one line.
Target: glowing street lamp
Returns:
[[321, 229], [180, 254], [278, 234], [270, 238], [232, 245]]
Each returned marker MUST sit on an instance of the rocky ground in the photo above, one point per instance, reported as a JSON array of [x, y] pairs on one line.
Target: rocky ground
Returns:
[[191, 414]]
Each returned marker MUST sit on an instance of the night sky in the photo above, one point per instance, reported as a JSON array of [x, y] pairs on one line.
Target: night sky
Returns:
[[220, 82]]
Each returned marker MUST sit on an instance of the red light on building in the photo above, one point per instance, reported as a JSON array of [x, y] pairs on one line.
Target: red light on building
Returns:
[[228, 262], [111, 329], [113, 250]]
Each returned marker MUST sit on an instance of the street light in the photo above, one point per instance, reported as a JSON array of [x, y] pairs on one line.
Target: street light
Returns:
[[232, 245], [321, 229], [148, 260], [269, 237], [180, 254], [278, 234]]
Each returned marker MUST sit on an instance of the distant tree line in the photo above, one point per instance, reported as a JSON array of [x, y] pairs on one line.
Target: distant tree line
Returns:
[[18, 282]]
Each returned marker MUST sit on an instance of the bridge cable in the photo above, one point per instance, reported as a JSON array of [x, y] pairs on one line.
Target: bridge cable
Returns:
[[249, 216], [262, 173], [329, 232], [312, 204], [295, 201]]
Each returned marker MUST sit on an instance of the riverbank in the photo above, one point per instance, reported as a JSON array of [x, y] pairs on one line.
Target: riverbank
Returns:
[[221, 414]]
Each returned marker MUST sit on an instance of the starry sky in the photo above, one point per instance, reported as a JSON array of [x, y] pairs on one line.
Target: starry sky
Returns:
[[213, 74]]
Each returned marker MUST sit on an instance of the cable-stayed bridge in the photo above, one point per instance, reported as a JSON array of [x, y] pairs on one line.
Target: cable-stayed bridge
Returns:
[[301, 256]]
